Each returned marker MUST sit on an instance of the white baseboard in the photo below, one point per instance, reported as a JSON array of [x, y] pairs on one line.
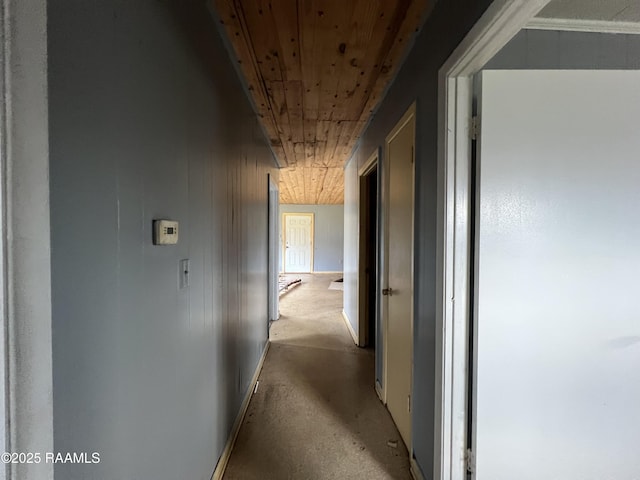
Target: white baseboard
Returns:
[[228, 448], [350, 328], [380, 392], [415, 470]]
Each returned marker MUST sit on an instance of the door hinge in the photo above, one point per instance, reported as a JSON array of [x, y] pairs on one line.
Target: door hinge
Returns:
[[470, 461], [409, 403], [474, 128]]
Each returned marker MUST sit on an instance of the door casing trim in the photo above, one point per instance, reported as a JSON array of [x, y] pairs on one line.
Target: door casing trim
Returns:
[[502, 20], [365, 170]]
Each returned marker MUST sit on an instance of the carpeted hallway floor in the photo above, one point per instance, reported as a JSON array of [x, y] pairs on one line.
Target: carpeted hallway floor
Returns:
[[315, 414]]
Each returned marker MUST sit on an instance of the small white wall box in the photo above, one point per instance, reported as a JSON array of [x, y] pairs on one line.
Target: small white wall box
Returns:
[[165, 232]]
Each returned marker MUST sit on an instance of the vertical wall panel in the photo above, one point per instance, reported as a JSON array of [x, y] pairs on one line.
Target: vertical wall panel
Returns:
[[149, 120]]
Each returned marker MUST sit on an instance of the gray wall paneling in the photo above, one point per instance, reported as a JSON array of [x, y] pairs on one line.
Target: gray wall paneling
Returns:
[[148, 119]]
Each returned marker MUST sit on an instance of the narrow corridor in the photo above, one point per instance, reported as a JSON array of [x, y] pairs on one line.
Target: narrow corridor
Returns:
[[315, 414]]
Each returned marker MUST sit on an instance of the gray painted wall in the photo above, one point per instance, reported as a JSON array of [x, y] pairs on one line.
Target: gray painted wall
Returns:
[[149, 120], [544, 49], [328, 235], [417, 80]]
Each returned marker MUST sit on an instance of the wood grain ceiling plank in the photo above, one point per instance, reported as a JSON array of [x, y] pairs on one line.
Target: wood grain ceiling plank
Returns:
[[235, 27], [285, 14], [290, 153], [333, 181], [338, 192], [309, 153], [261, 25], [333, 34], [307, 185], [261, 21], [316, 175], [405, 28], [380, 15], [289, 176], [309, 50], [299, 150], [325, 193], [293, 96], [310, 129], [319, 149], [278, 101], [284, 187], [320, 176], [322, 130], [292, 180], [316, 69], [278, 151], [360, 39], [333, 144]]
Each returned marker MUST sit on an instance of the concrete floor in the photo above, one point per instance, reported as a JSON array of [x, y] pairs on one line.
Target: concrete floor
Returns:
[[316, 414]]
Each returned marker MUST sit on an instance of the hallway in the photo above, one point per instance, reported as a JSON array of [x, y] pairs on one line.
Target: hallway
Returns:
[[315, 414]]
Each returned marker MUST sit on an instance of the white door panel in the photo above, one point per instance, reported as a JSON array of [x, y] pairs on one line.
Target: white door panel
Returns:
[[399, 335], [558, 262], [298, 247]]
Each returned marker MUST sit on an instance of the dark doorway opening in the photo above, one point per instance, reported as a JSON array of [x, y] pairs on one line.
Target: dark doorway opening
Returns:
[[369, 255]]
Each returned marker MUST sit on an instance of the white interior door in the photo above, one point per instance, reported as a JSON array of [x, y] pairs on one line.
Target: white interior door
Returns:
[[298, 242], [399, 295], [558, 255]]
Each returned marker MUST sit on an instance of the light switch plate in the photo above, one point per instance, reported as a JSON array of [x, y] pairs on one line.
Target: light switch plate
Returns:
[[183, 274]]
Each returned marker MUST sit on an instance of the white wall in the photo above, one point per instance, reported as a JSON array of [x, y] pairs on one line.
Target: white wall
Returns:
[[25, 255], [558, 261], [351, 241]]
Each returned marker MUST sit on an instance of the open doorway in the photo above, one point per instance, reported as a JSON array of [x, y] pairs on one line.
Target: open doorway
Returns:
[[571, 121], [368, 264]]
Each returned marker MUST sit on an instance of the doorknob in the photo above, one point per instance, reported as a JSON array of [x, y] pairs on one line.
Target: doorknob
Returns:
[[387, 291]]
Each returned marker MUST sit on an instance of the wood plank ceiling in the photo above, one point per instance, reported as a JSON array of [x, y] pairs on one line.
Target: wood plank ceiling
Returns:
[[316, 70]]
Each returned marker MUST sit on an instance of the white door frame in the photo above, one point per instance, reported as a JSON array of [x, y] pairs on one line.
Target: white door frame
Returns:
[[284, 238], [365, 170], [26, 391], [500, 23], [273, 218], [384, 274]]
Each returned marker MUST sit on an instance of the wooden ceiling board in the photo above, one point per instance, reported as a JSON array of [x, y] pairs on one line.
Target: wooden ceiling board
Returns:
[[316, 70]]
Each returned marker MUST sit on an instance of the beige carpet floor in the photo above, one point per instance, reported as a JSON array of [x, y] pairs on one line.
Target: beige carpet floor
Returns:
[[315, 414]]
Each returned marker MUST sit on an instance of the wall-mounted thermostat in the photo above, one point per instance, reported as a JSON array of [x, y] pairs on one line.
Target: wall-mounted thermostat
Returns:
[[165, 232]]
